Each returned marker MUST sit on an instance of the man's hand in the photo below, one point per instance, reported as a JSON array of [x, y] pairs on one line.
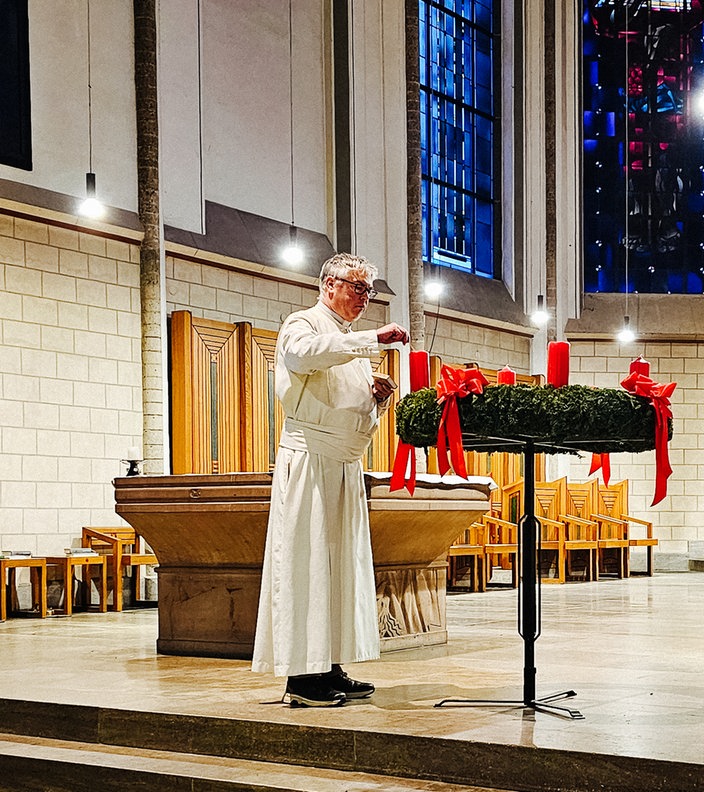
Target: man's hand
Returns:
[[392, 333], [382, 389]]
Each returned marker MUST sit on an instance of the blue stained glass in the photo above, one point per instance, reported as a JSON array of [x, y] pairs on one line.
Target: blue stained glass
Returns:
[[458, 131], [642, 202]]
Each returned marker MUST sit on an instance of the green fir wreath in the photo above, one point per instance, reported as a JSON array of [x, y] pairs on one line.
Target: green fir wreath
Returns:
[[571, 418]]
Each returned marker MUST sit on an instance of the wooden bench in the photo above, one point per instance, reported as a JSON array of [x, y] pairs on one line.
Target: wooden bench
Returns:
[[67, 564], [123, 548], [37, 567]]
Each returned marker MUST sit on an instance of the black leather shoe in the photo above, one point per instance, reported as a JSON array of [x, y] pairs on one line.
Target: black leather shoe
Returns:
[[352, 689], [313, 691]]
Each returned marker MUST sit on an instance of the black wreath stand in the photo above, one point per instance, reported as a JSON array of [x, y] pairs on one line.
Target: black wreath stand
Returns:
[[529, 604]]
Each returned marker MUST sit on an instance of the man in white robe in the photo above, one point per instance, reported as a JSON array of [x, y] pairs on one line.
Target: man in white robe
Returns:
[[317, 606]]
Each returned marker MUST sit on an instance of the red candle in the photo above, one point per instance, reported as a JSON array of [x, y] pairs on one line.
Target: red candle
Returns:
[[558, 363], [640, 366], [419, 370], [507, 376]]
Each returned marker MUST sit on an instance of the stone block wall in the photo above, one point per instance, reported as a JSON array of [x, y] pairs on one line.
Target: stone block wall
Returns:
[[70, 367], [678, 521], [218, 293], [458, 342], [70, 380]]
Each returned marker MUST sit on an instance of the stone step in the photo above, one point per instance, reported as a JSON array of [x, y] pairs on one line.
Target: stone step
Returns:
[[386, 754], [31, 763]]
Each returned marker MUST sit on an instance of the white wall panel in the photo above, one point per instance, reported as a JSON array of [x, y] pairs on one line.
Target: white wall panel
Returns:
[[247, 109], [180, 114], [59, 98]]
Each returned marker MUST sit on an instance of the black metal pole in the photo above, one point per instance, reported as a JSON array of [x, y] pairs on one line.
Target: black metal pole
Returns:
[[529, 602], [528, 620]]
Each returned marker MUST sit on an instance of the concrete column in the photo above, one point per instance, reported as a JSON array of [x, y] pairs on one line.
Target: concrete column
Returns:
[[155, 441], [416, 297]]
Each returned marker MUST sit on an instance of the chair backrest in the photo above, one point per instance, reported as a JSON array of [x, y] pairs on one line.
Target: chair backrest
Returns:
[[107, 538], [583, 498], [613, 499], [512, 501], [550, 498], [477, 534]]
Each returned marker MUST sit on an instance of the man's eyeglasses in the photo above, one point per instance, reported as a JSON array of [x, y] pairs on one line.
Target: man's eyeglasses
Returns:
[[360, 288]]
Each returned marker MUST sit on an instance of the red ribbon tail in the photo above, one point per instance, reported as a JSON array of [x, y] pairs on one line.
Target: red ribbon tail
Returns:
[[411, 483], [596, 464], [454, 436], [443, 461], [601, 462], [404, 452], [606, 468], [663, 470]]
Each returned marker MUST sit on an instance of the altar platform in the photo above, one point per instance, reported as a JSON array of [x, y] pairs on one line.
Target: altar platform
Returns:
[[86, 701]]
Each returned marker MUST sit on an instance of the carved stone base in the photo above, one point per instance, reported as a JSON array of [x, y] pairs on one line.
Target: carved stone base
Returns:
[[411, 605], [208, 612]]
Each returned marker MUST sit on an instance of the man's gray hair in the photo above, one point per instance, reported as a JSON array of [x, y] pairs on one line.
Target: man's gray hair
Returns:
[[339, 265]]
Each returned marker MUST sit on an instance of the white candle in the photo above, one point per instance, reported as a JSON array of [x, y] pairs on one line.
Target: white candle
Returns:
[[133, 453]]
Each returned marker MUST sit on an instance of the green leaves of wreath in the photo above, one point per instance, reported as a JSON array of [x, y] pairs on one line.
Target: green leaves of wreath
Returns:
[[599, 420]]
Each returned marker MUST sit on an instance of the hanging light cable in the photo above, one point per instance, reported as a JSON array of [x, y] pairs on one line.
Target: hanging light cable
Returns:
[[292, 254], [91, 206], [353, 146], [626, 334]]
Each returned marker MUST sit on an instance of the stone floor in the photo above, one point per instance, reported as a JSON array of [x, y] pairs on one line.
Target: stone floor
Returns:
[[631, 649]]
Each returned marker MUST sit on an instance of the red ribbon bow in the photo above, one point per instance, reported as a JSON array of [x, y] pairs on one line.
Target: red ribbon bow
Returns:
[[659, 395], [453, 384]]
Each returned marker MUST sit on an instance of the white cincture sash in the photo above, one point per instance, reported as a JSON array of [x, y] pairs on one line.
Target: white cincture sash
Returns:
[[336, 442]]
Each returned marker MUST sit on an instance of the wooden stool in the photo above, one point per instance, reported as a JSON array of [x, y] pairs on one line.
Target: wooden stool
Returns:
[[37, 567], [68, 564], [122, 546]]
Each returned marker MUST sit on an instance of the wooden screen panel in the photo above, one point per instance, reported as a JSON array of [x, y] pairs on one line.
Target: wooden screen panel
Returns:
[[208, 385], [380, 457], [267, 414]]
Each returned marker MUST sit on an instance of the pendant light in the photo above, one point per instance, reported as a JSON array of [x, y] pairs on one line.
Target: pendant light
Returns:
[[292, 254], [540, 316], [90, 207]]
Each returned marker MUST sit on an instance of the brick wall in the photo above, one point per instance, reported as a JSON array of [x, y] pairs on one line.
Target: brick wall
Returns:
[[70, 375], [678, 521]]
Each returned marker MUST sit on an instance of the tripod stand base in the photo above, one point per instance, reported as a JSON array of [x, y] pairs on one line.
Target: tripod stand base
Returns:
[[543, 704]]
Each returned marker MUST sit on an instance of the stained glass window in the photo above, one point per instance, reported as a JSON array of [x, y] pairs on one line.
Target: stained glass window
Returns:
[[643, 137], [15, 126], [458, 131]]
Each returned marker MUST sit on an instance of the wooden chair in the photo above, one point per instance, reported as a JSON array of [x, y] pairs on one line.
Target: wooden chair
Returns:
[[501, 548], [613, 545], [468, 555], [582, 541], [614, 502], [124, 547], [549, 498], [552, 530]]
